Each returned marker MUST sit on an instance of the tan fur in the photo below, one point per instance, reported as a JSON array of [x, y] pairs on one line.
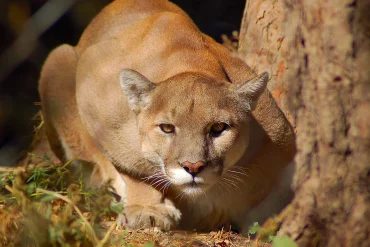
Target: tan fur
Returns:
[[97, 110]]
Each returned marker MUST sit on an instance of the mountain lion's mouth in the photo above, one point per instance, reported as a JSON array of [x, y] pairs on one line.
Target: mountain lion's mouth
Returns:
[[195, 185], [193, 188], [192, 184]]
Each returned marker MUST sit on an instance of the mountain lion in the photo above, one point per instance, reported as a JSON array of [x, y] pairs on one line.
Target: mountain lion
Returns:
[[189, 136]]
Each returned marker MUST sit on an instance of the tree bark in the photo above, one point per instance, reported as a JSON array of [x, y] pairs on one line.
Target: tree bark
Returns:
[[319, 56], [262, 46]]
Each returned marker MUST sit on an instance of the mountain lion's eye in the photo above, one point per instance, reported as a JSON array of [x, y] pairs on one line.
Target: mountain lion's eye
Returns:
[[218, 128], [167, 128]]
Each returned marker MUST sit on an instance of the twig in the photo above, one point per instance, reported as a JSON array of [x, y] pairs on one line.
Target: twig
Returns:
[[8, 188], [107, 235], [8, 169], [68, 163], [75, 207]]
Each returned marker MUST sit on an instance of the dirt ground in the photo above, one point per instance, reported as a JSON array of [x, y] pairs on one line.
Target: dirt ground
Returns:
[[182, 238]]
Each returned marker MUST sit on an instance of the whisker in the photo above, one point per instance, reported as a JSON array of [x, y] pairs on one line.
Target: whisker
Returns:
[[154, 174], [223, 184], [164, 187], [234, 185], [230, 181], [241, 173], [158, 182], [153, 181], [244, 169], [161, 183], [167, 186], [158, 174], [181, 196], [149, 177], [237, 178]]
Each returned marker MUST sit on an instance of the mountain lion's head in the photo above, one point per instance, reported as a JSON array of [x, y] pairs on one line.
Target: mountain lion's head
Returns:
[[191, 127]]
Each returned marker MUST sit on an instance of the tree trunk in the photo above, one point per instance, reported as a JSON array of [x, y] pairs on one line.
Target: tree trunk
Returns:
[[262, 46], [319, 55]]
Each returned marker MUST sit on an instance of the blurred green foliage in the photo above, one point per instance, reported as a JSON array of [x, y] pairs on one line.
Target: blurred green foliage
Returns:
[[38, 208]]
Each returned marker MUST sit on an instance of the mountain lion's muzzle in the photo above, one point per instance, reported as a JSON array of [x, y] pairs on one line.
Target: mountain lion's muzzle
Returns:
[[193, 168]]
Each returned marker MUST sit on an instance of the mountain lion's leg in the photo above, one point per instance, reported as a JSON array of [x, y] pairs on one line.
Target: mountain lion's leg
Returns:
[[66, 133], [269, 179], [56, 88], [274, 203], [147, 207]]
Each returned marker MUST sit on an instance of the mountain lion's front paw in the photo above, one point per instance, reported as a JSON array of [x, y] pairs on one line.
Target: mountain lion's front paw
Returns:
[[161, 216]]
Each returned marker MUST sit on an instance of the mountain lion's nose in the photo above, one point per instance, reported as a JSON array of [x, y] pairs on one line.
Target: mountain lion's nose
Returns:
[[193, 168]]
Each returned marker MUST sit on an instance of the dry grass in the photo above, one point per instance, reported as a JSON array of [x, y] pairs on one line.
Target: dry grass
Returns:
[[38, 208]]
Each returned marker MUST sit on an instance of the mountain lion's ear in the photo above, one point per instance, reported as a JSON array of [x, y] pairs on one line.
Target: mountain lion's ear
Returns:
[[251, 90], [136, 87]]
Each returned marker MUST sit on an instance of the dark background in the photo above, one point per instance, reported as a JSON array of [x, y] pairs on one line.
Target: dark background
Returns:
[[26, 39]]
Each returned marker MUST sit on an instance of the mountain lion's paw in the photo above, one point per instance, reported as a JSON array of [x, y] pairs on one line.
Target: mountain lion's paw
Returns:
[[160, 216]]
